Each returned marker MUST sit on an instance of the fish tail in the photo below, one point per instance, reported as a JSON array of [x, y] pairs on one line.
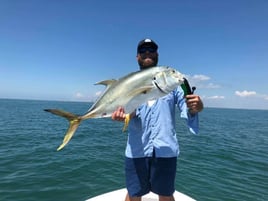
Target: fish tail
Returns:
[[127, 119], [74, 122]]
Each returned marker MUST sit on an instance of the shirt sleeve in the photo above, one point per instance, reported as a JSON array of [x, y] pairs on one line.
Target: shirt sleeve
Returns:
[[191, 119]]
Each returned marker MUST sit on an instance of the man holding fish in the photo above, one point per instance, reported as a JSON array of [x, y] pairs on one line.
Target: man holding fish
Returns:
[[152, 146]]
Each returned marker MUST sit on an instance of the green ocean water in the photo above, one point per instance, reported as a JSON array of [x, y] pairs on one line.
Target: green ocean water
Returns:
[[227, 161]]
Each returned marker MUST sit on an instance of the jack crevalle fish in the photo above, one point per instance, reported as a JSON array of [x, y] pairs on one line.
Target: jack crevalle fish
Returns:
[[129, 92]]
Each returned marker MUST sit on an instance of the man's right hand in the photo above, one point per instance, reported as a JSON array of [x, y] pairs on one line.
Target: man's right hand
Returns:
[[119, 114]]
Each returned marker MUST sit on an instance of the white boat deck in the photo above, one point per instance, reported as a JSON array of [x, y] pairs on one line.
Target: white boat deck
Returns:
[[119, 195]]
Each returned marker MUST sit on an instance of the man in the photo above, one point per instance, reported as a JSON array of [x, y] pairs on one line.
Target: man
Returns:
[[152, 147]]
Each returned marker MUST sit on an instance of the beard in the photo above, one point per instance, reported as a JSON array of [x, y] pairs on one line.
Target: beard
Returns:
[[146, 61]]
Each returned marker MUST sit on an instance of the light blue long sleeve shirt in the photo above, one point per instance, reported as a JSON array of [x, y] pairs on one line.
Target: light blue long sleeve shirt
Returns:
[[153, 127]]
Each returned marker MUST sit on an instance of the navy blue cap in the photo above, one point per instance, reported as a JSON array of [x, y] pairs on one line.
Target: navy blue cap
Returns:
[[147, 43]]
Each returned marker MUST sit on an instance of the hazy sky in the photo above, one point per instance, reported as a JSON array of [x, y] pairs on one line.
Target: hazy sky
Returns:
[[58, 49]]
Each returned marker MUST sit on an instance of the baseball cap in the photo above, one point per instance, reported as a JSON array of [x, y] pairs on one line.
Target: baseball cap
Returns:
[[147, 43]]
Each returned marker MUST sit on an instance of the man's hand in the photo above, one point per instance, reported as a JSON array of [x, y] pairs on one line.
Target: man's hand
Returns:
[[119, 114], [194, 103]]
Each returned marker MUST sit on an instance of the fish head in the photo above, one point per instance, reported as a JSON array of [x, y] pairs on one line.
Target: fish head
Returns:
[[167, 79]]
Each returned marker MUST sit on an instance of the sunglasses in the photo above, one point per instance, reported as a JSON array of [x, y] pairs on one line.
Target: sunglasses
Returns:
[[145, 49]]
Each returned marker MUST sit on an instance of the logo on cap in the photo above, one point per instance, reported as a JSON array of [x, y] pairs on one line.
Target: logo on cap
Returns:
[[147, 40]]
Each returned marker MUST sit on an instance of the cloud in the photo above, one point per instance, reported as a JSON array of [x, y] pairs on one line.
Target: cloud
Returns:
[[245, 93], [264, 96], [201, 81], [200, 77], [98, 93], [79, 95], [212, 86], [82, 97], [216, 97], [197, 78]]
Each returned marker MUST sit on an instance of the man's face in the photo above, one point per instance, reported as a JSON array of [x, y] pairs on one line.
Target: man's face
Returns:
[[147, 57]]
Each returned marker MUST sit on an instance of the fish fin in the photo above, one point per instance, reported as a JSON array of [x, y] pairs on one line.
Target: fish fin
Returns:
[[106, 82], [62, 113], [127, 119], [74, 122], [70, 132]]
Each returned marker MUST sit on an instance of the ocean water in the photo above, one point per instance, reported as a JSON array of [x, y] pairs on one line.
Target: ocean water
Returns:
[[228, 160]]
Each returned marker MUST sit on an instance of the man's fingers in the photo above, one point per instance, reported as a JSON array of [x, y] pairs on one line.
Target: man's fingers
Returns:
[[119, 114]]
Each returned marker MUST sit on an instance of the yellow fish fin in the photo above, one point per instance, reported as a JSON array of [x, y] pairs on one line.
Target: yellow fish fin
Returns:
[[69, 134], [127, 119]]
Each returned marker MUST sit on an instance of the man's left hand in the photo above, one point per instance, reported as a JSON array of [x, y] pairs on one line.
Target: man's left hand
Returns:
[[194, 103]]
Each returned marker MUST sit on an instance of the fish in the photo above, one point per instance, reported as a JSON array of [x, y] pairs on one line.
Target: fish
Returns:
[[129, 92]]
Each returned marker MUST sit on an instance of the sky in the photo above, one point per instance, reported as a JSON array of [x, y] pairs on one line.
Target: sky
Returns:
[[58, 50]]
